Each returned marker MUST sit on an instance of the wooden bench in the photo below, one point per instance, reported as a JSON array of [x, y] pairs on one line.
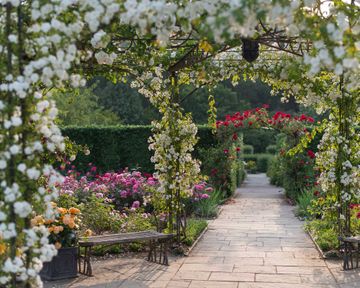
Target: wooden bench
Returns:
[[152, 237], [351, 247]]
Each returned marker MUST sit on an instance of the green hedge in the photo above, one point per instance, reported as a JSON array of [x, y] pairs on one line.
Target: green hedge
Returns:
[[262, 161], [248, 149], [259, 138], [115, 147]]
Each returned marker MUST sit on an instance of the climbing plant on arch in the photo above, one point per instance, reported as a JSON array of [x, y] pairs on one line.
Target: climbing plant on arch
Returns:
[[163, 45]]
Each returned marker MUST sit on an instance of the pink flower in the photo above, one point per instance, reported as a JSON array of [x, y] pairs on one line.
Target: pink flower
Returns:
[[205, 196], [135, 205], [226, 151], [123, 194], [199, 187]]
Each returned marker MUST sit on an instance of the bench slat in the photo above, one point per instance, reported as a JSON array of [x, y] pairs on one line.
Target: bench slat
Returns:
[[122, 238]]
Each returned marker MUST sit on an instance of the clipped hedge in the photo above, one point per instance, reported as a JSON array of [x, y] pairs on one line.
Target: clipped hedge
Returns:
[[262, 161], [248, 149], [259, 138], [271, 149], [115, 147]]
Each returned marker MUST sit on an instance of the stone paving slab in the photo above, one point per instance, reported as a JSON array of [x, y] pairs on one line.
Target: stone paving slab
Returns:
[[256, 242]]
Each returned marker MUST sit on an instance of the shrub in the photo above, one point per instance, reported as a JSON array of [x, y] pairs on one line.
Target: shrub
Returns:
[[259, 138], [325, 234], [251, 166], [262, 161], [271, 149], [99, 216], [248, 149], [275, 172], [193, 230], [224, 168]]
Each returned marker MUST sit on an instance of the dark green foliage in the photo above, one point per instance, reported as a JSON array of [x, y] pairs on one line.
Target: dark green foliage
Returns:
[[134, 109], [248, 149], [194, 228], [271, 149], [262, 161], [116, 147], [259, 138], [113, 148]]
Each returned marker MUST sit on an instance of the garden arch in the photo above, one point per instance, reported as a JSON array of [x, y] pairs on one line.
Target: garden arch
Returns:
[[45, 45]]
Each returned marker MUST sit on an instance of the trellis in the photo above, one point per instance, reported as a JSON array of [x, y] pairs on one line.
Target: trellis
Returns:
[[27, 118]]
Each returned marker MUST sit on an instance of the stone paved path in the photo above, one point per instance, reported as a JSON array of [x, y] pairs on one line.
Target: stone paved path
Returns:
[[255, 243]]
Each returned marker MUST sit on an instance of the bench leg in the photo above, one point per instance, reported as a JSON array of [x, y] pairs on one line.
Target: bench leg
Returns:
[[163, 252], [152, 251], [87, 269]]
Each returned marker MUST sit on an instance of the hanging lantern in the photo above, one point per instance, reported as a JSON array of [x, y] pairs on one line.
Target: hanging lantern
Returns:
[[250, 50]]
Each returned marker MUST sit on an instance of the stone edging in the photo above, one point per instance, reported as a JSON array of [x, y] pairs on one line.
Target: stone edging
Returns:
[[196, 241]]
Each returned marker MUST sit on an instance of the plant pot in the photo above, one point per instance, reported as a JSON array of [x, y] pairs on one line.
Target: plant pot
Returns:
[[62, 266]]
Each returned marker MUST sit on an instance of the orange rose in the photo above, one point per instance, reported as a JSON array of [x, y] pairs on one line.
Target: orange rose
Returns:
[[49, 221], [68, 220], [51, 229], [62, 210], [58, 229], [74, 210]]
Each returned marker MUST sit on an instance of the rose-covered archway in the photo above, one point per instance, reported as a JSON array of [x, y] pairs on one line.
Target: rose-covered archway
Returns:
[[163, 45]]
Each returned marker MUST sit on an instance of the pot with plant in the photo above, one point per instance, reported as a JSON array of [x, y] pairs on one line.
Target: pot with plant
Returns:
[[62, 233]]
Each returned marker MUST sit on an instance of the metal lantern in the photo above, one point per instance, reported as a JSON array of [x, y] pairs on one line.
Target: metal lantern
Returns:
[[250, 50]]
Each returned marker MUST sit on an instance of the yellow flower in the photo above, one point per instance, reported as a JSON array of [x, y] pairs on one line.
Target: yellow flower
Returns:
[[74, 210], [3, 248], [37, 220], [88, 233], [57, 245], [53, 204]]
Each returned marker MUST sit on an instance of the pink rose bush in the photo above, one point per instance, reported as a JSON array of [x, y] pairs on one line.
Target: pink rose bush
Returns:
[[124, 189]]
